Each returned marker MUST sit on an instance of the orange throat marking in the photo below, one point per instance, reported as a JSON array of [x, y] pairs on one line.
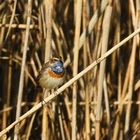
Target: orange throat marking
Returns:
[[54, 75]]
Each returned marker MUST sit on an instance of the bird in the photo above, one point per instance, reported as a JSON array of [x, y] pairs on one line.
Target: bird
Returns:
[[52, 74]]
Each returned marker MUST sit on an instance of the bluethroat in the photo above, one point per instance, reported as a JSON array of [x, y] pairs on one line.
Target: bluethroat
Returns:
[[52, 74]]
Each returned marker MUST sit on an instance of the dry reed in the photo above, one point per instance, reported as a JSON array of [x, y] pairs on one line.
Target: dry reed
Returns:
[[101, 96]]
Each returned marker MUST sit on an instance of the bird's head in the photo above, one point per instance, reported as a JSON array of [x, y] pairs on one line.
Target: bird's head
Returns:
[[56, 65]]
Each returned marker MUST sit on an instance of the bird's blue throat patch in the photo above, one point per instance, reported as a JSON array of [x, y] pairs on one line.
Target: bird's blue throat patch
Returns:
[[58, 67]]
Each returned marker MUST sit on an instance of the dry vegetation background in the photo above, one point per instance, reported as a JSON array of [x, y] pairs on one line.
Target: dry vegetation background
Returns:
[[105, 103]]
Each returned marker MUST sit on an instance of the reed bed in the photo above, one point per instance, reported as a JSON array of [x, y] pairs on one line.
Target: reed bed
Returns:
[[98, 41]]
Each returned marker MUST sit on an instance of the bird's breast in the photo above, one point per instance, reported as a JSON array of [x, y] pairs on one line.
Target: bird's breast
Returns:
[[55, 75], [50, 80]]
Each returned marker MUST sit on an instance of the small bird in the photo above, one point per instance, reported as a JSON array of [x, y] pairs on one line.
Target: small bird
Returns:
[[52, 74]]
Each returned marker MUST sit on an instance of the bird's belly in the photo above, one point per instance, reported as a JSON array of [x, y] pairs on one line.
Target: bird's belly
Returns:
[[50, 82]]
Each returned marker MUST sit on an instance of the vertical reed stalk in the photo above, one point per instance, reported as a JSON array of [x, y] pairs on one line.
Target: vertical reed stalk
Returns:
[[132, 70], [105, 36], [21, 82], [75, 66], [48, 19], [85, 60]]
